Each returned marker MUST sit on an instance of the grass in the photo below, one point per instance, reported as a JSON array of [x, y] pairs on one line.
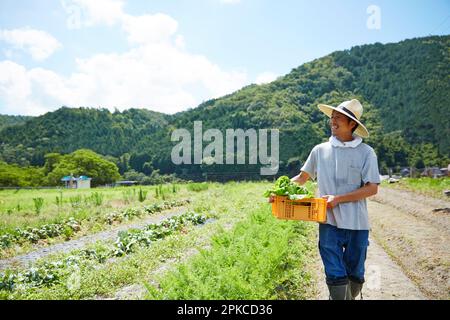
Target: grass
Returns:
[[197, 186], [67, 229], [48, 273], [94, 204], [75, 203], [427, 186], [261, 258], [106, 279], [271, 259]]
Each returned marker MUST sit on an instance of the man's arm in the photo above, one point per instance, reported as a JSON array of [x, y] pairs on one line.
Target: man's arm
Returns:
[[369, 189], [301, 178]]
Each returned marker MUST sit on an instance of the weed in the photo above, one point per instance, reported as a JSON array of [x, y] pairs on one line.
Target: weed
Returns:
[[197, 186], [142, 195], [97, 199], [75, 202], [38, 204]]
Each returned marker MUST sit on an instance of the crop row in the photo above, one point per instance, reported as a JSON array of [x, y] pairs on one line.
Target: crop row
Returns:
[[46, 231], [71, 225], [131, 213], [49, 273]]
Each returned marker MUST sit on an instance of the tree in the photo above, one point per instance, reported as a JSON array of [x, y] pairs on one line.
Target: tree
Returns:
[[15, 176], [84, 162], [51, 160]]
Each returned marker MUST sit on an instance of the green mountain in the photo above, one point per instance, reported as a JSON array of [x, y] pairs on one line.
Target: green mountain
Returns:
[[6, 121], [68, 129], [404, 88]]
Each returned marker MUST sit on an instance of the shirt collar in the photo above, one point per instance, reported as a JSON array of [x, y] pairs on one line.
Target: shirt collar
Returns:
[[335, 142]]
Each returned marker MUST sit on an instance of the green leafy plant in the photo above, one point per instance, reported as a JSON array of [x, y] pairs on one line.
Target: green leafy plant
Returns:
[[130, 213], [43, 232], [142, 195], [127, 241], [68, 232], [75, 202], [197, 186], [259, 259], [97, 198], [38, 204], [49, 273], [285, 187], [159, 192], [6, 240], [126, 194], [58, 201]]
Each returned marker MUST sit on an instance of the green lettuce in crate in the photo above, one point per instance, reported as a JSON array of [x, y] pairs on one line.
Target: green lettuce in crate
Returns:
[[285, 187]]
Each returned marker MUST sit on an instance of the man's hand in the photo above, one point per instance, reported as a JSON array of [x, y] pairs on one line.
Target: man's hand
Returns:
[[271, 199], [368, 190], [332, 201]]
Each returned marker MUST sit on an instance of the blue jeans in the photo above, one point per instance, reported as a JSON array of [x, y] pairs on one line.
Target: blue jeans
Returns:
[[343, 253]]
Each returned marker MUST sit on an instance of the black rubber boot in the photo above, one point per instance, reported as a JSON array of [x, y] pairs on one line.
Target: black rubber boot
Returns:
[[355, 289], [339, 292]]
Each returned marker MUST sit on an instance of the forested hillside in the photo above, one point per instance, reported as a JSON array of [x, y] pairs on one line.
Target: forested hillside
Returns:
[[6, 121], [404, 88]]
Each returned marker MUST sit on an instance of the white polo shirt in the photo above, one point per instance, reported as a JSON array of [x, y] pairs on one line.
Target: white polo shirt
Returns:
[[341, 168]]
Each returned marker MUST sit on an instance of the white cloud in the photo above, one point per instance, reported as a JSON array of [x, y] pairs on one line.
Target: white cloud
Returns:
[[156, 72], [149, 28], [139, 29], [38, 43], [180, 42], [157, 76], [87, 13], [266, 77], [16, 91]]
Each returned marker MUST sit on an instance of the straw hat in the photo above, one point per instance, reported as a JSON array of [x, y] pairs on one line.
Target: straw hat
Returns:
[[352, 109]]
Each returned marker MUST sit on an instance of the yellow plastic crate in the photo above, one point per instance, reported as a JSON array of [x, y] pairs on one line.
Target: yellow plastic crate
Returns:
[[314, 209]]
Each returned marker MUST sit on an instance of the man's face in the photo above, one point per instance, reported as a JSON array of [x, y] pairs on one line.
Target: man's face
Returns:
[[340, 124]]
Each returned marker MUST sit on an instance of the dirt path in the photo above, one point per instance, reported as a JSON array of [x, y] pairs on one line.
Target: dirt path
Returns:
[[409, 255], [29, 258], [421, 249], [435, 212]]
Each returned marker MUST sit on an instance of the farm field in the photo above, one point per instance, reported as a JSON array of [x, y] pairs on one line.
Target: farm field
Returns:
[[29, 218], [426, 186], [207, 241], [232, 221]]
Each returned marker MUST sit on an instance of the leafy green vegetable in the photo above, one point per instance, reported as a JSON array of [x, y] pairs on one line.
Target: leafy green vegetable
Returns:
[[285, 187], [49, 273]]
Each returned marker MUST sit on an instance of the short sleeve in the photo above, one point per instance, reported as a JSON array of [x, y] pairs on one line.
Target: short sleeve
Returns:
[[370, 171], [310, 166]]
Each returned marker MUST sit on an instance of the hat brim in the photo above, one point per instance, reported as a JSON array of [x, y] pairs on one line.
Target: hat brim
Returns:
[[360, 131]]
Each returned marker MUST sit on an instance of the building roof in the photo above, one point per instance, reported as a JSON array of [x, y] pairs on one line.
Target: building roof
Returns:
[[71, 178]]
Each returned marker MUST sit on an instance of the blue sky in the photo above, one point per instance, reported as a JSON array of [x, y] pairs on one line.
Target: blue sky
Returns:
[[169, 55]]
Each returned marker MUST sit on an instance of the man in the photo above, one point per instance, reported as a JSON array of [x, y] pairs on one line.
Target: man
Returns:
[[347, 173]]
